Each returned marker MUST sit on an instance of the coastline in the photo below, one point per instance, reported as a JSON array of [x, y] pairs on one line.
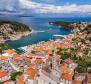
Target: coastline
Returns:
[[25, 34], [73, 26], [10, 30], [17, 37]]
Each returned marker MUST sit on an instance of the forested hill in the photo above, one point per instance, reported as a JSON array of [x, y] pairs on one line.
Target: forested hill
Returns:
[[13, 30]]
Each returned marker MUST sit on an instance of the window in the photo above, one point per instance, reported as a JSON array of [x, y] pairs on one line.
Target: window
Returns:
[[37, 82], [49, 82], [58, 83]]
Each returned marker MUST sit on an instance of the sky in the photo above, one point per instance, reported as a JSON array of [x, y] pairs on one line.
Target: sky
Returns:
[[56, 6], [39, 7], [62, 2]]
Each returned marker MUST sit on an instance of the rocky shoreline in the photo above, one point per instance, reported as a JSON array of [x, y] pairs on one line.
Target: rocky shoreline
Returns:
[[13, 31], [16, 36], [73, 26]]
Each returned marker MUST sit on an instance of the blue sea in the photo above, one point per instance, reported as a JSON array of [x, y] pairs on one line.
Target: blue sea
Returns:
[[44, 31]]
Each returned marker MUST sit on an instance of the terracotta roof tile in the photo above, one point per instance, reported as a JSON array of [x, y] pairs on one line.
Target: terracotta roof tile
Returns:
[[63, 68], [76, 82], [10, 51], [3, 58], [3, 73], [31, 73], [39, 61], [20, 80], [47, 69], [67, 77]]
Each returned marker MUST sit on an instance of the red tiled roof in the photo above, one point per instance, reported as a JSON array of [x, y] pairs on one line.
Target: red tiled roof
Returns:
[[31, 73], [67, 77], [10, 51], [39, 61], [47, 69], [76, 82], [63, 68], [20, 80], [3, 73]]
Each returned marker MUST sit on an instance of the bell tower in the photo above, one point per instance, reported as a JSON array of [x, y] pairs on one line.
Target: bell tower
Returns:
[[55, 69]]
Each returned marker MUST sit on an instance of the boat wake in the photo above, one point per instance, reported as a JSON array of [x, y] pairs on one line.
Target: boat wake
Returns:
[[35, 31], [57, 35]]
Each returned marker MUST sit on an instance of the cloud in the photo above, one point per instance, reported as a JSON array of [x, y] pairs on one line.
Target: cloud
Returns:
[[48, 1], [47, 8], [10, 5], [31, 7]]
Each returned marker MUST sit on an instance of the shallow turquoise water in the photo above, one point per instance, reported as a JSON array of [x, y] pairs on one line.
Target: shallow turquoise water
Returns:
[[45, 32], [39, 24]]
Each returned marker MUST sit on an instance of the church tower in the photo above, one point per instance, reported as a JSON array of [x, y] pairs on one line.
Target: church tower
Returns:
[[55, 69]]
